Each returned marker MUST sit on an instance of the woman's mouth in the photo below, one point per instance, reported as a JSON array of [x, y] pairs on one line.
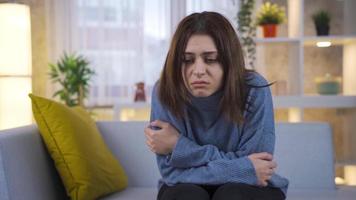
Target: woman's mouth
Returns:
[[199, 84]]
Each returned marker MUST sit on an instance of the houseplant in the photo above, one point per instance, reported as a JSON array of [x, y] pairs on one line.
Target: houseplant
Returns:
[[322, 22], [247, 30], [73, 74], [269, 16]]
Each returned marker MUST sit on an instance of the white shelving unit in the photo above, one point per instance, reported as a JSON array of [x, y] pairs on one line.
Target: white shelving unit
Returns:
[[296, 99], [315, 101]]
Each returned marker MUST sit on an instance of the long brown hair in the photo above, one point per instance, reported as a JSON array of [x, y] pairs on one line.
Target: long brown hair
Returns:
[[172, 92]]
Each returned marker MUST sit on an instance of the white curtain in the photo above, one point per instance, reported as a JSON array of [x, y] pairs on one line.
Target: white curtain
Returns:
[[126, 41], [228, 8]]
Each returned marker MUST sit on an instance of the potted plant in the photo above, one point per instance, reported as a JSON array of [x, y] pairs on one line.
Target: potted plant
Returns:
[[322, 22], [247, 31], [72, 72], [269, 16]]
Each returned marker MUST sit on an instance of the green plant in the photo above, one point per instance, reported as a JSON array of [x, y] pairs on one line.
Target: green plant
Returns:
[[321, 18], [72, 72], [247, 30], [270, 13]]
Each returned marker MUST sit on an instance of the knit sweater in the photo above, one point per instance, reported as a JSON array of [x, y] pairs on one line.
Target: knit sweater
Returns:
[[212, 150]]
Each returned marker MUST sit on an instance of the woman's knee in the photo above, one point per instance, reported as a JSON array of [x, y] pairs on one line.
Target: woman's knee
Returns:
[[184, 191], [231, 191]]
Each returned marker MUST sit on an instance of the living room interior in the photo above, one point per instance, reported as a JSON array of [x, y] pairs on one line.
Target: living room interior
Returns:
[[123, 45]]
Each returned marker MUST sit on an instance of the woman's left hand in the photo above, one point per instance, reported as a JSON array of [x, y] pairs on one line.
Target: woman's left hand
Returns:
[[161, 141]]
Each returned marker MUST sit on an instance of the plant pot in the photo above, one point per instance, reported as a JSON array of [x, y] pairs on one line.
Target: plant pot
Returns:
[[328, 85], [269, 30], [322, 30]]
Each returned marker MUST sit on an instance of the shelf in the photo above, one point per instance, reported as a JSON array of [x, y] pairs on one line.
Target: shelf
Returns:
[[315, 101], [310, 40], [345, 163], [334, 39], [276, 40], [133, 105]]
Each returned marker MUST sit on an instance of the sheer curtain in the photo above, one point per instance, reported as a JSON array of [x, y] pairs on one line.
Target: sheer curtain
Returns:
[[126, 41]]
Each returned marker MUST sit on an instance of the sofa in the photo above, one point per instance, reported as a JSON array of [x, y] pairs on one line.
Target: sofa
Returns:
[[304, 153]]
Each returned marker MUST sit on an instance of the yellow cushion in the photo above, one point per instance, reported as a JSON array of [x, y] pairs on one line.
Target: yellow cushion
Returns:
[[86, 166]]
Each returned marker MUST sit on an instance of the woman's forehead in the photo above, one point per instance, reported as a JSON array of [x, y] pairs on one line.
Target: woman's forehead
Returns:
[[200, 43]]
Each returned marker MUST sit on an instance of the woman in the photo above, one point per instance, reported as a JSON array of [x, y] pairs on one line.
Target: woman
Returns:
[[212, 122]]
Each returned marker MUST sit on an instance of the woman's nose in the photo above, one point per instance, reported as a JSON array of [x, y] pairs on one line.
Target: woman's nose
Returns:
[[199, 68]]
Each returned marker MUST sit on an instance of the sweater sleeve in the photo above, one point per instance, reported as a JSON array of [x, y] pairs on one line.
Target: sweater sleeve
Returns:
[[216, 172], [257, 135]]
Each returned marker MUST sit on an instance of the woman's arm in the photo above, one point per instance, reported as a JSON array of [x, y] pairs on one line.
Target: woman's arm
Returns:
[[240, 170]]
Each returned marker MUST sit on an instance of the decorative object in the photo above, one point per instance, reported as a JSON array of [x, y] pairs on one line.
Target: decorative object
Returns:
[[140, 92], [322, 22], [247, 31], [328, 84], [85, 164], [269, 16], [72, 72], [15, 65]]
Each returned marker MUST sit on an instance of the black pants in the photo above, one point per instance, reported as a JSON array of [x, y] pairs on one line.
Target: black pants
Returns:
[[228, 191]]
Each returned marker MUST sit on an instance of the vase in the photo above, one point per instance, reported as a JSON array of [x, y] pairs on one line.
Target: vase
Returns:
[[140, 92], [322, 30], [269, 30]]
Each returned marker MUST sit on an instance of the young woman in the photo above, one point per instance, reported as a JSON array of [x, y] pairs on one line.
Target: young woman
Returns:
[[212, 121]]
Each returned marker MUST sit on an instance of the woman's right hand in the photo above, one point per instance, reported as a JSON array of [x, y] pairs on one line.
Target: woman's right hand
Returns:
[[264, 166]]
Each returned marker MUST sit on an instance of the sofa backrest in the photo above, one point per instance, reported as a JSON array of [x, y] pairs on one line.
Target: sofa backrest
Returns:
[[26, 169], [128, 143], [304, 154], [303, 151]]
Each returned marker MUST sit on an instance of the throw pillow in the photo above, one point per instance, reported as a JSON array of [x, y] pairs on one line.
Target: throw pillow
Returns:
[[87, 167]]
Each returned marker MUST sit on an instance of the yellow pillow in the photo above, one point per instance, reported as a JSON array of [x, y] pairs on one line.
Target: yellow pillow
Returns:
[[86, 166]]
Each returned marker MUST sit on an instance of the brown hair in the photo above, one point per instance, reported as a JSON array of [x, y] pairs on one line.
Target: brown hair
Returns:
[[172, 92]]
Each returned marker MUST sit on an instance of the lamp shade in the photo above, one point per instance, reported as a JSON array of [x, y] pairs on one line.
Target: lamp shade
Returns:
[[15, 39], [15, 65]]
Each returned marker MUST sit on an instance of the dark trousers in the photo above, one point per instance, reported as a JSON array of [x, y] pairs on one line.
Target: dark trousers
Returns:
[[228, 191]]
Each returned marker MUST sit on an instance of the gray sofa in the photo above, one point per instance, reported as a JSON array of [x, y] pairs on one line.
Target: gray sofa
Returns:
[[304, 153]]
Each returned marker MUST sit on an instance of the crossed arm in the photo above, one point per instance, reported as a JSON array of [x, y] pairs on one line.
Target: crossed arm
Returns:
[[207, 163]]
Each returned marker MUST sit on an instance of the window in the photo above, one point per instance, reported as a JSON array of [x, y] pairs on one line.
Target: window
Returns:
[[126, 41]]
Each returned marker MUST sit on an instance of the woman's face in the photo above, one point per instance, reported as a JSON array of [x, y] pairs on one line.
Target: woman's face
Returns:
[[202, 71]]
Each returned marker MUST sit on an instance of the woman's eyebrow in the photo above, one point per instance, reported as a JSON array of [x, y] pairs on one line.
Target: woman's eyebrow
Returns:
[[188, 53], [205, 53]]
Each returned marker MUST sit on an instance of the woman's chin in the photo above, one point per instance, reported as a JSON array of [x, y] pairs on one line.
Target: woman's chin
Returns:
[[201, 93]]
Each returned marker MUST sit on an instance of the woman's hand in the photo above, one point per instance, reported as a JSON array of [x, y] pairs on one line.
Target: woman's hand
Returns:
[[161, 141], [264, 166]]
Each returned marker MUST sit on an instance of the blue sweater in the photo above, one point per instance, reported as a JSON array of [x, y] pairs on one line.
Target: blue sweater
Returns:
[[213, 151]]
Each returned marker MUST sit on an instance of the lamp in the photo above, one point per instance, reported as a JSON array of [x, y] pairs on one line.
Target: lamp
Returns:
[[15, 65]]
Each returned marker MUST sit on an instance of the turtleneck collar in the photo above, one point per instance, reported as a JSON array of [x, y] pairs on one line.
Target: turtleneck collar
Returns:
[[210, 103]]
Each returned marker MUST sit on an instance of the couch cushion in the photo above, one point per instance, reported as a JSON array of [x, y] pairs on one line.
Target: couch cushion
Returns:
[[134, 193], [86, 166], [341, 193]]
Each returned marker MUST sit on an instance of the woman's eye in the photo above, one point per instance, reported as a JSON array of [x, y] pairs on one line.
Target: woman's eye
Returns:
[[188, 61], [211, 60]]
